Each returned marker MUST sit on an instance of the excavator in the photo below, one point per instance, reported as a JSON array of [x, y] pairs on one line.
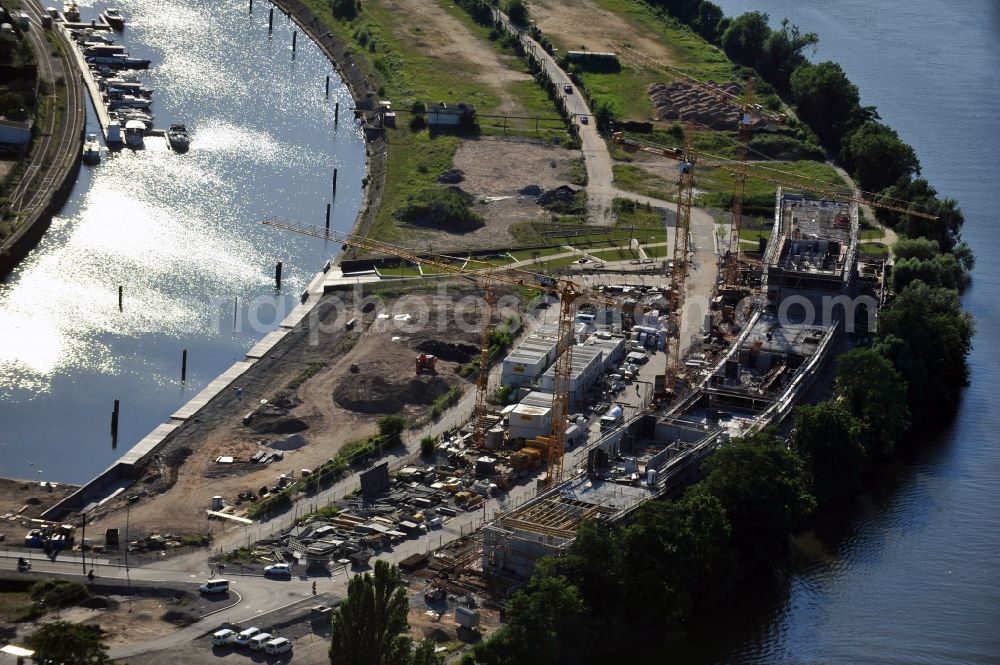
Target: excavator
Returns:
[[426, 363]]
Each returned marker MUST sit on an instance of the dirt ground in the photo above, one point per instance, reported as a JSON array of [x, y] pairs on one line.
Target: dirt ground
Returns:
[[120, 626], [444, 37], [495, 170], [384, 351], [24, 499], [580, 24]]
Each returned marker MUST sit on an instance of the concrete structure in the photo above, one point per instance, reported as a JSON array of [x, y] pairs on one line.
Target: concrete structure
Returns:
[[16, 133], [812, 252], [442, 114]]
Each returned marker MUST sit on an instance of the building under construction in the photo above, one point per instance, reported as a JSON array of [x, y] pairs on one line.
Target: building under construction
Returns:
[[776, 357]]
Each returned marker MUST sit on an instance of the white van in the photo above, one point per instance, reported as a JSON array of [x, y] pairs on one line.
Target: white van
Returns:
[[223, 637], [215, 586], [243, 639], [277, 645], [260, 640]]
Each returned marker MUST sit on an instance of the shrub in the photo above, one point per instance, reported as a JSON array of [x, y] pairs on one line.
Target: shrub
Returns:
[[427, 445]]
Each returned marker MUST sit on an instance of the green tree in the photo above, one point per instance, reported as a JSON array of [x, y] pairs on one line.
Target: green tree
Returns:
[[875, 392], [345, 9], [542, 627], [370, 625], [63, 643], [708, 20], [390, 429], [782, 53], [743, 40], [826, 100], [517, 11], [828, 438], [878, 157], [946, 229], [941, 270], [427, 445], [762, 485], [424, 654], [927, 336], [916, 248]]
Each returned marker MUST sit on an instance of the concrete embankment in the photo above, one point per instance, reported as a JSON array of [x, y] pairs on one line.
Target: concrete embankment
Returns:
[[363, 92]]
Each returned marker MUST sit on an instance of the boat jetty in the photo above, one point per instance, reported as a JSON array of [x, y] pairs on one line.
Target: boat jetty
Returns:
[[122, 101]]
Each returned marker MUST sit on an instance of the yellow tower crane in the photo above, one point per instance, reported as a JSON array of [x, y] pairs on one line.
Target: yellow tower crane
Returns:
[[749, 112], [688, 157], [488, 278]]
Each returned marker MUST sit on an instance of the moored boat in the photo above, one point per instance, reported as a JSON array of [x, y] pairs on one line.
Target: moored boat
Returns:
[[113, 134], [91, 150], [178, 137], [114, 18], [135, 133]]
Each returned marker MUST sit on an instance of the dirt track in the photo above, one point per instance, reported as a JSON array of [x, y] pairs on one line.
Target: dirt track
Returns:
[[582, 24]]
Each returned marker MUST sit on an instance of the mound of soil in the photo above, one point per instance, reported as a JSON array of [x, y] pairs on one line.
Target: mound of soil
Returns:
[[374, 394], [449, 351], [293, 442], [280, 426], [99, 603]]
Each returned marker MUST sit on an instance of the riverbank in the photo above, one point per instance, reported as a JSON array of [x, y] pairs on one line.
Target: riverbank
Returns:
[[53, 167], [363, 91]]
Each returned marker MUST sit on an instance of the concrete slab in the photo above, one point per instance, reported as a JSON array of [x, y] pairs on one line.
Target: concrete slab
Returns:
[[266, 344], [147, 443], [295, 317], [211, 390]]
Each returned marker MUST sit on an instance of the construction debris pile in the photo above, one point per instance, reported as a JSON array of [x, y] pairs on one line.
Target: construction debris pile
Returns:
[[683, 100]]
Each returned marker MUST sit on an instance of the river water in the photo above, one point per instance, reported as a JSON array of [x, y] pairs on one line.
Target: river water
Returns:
[[911, 573], [180, 232]]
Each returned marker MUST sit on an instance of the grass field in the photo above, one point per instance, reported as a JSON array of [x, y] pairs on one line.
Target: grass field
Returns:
[[873, 249], [626, 90], [12, 606], [415, 162], [637, 216], [633, 178], [716, 186]]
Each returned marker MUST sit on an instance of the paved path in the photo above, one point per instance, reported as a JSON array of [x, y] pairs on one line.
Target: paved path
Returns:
[[596, 157]]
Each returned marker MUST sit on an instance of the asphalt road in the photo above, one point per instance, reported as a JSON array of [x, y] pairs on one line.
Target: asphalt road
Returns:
[[596, 157]]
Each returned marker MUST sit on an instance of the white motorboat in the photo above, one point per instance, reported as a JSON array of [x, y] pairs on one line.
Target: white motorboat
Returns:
[[91, 150], [114, 18], [135, 133], [129, 100]]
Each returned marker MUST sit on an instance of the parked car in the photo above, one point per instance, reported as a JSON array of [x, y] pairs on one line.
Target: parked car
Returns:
[[223, 637], [277, 645], [259, 641], [245, 635], [278, 570], [568, 89]]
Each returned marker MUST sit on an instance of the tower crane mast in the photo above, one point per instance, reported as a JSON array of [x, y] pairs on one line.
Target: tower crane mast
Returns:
[[488, 278]]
